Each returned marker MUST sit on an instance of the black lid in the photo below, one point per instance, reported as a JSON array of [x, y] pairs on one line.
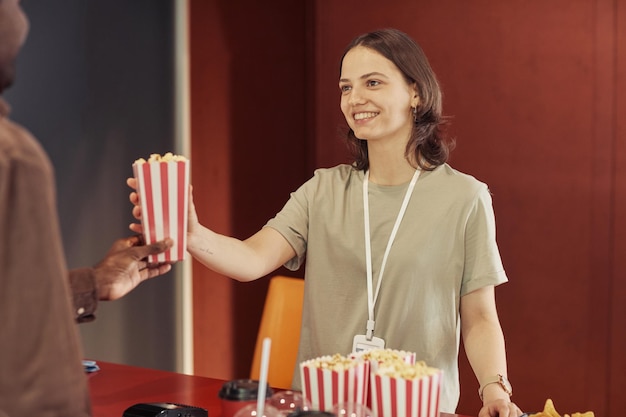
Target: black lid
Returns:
[[311, 413], [242, 390]]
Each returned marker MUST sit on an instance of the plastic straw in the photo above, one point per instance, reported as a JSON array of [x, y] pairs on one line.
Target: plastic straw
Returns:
[[265, 360]]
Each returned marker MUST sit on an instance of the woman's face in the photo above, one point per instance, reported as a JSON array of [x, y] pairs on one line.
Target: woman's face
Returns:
[[376, 100]]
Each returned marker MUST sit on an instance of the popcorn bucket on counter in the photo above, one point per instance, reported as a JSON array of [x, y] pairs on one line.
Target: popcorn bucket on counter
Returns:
[[331, 380], [396, 396], [163, 189], [381, 357]]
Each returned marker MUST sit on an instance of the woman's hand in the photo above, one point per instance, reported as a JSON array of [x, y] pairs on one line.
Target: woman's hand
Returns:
[[134, 199], [192, 216], [247, 260], [500, 408]]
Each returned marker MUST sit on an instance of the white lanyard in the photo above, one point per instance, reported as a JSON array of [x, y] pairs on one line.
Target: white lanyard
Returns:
[[371, 299]]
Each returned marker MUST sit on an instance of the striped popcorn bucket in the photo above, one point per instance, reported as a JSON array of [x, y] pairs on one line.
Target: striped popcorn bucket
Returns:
[[398, 397], [406, 357], [325, 388], [163, 189]]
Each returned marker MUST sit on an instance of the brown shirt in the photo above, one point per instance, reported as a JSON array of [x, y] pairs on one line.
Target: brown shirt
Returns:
[[40, 355], [84, 294]]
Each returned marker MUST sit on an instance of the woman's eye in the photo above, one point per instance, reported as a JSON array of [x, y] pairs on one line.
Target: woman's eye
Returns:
[[344, 88], [372, 83]]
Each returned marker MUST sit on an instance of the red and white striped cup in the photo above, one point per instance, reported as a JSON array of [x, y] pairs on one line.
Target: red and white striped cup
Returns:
[[163, 188], [380, 354], [399, 397], [324, 388]]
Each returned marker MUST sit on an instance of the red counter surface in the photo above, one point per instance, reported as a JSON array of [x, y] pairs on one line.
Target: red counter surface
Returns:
[[116, 387]]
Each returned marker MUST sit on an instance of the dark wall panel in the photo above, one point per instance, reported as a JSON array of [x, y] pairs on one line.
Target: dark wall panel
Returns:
[[95, 87]]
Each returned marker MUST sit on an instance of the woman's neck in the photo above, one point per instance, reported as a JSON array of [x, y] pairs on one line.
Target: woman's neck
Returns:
[[388, 164], [390, 171]]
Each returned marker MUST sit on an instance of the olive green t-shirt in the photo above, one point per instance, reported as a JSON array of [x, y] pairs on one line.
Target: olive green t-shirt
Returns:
[[445, 248]]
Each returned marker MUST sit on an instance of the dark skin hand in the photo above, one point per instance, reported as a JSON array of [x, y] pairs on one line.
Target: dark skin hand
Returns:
[[125, 266]]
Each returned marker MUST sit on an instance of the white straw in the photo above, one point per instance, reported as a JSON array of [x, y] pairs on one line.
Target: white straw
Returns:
[[265, 360]]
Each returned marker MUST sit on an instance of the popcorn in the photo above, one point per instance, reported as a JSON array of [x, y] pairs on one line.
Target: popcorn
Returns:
[[389, 382], [335, 362], [400, 369], [400, 389], [163, 189], [331, 380], [155, 157], [380, 357]]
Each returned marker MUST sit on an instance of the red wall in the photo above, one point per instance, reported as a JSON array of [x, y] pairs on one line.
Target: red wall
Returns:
[[616, 356], [248, 115], [535, 91]]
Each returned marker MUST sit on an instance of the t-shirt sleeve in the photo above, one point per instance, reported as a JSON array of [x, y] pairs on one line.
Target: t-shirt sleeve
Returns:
[[483, 264], [292, 221]]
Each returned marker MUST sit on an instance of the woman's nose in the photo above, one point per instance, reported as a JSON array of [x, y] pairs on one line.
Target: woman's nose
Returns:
[[356, 97]]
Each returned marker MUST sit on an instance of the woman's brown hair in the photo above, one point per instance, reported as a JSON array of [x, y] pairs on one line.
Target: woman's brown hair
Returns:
[[427, 144]]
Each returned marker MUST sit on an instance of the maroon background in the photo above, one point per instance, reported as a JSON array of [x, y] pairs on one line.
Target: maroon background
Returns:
[[535, 90]]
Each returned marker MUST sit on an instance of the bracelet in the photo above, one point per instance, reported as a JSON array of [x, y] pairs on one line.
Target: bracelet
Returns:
[[500, 380]]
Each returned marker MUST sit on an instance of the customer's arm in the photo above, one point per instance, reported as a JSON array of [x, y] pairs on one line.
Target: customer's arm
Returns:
[[123, 268], [84, 294]]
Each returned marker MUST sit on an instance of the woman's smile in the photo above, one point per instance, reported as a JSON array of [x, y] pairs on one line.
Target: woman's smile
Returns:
[[364, 115]]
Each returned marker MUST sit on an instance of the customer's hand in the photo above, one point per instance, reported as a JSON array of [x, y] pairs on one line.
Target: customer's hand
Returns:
[[125, 266]]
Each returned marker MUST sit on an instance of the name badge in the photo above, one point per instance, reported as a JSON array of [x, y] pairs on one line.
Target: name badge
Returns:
[[360, 343]]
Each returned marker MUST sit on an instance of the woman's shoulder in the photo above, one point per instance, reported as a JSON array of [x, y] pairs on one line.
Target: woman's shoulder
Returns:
[[331, 180], [447, 176], [338, 173]]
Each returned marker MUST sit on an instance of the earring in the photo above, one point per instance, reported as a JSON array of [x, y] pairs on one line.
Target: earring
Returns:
[[414, 113]]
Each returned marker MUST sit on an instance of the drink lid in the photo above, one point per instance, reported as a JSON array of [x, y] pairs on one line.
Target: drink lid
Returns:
[[242, 390]]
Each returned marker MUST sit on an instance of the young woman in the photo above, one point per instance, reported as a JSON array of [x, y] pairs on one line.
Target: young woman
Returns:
[[399, 247]]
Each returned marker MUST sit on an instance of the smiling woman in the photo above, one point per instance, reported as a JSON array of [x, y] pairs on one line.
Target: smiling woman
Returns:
[[400, 248], [378, 105], [399, 69]]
